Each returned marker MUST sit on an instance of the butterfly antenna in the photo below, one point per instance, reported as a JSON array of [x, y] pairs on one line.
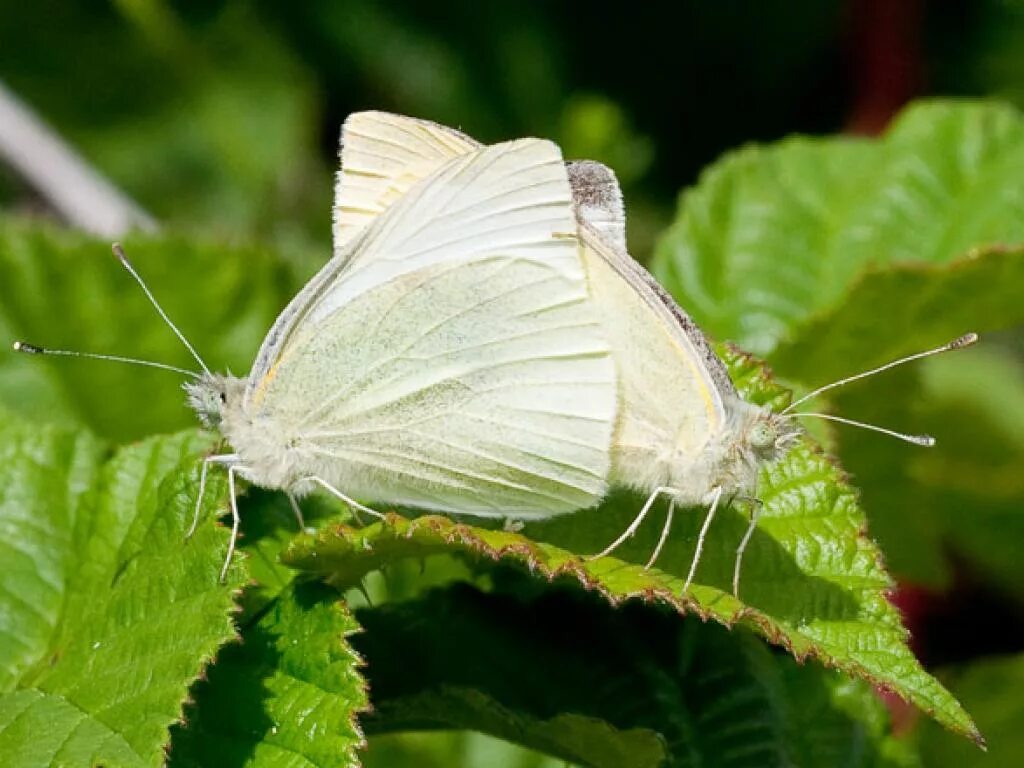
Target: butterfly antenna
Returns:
[[119, 253], [34, 349], [958, 343], [927, 441]]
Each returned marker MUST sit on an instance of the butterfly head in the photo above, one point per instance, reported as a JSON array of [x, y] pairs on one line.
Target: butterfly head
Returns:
[[766, 436], [212, 395], [770, 435], [753, 436]]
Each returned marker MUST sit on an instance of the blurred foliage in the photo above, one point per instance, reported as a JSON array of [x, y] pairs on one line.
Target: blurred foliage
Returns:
[[222, 119], [61, 287], [991, 688], [224, 115]]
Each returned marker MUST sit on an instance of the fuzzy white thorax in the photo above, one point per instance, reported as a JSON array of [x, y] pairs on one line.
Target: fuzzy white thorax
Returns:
[[267, 455]]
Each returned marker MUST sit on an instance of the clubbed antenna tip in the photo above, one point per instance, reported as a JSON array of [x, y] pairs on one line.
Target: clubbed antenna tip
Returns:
[[962, 341]]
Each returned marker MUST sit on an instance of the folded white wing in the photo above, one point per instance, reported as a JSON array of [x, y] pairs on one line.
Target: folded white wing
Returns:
[[382, 156], [673, 387], [449, 358]]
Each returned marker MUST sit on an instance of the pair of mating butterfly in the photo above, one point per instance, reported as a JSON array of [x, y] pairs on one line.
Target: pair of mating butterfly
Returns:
[[481, 343]]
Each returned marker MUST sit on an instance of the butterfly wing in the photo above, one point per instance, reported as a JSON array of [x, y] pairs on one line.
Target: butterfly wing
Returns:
[[674, 389], [382, 156], [448, 358]]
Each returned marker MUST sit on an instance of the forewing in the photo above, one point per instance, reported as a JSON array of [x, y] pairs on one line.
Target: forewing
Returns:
[[382, 156], [456, 363], [366, 258]]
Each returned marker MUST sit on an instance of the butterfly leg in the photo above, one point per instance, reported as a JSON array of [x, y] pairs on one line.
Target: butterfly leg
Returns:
[[224, 458], [297, 510], [204, 469], [636, 522], [755, 512], [716, 496], [354, 505], [235, 520], [664, 532]]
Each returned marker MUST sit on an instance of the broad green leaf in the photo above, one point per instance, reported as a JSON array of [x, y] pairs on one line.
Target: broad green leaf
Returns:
[[773, 237], [62, 290], [38, 729], [924, 305], [44, 472], [562, 673], [129, 611], [991, 687], [287, 695], [902, 518], [812, 581], [268, 527]]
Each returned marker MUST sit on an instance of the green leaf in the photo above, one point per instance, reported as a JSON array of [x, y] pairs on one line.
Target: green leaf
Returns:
[[774, 237], [991, 687], [561, 673], [977, 405], [268, 525], [43, 474], [812, 581], [38, 729], [128, 612], [924, 304], [288, 695]]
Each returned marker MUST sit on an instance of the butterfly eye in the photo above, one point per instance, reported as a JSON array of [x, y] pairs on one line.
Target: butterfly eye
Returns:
[[223, 397], [762, 436]]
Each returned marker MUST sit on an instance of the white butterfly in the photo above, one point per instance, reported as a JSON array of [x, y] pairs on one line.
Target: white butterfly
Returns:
[[682, 431], [454, 354], [447, 357]]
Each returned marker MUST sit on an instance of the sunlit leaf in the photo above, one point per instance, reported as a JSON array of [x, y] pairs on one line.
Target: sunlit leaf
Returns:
[[126, 612], [773, 237], [287, 695]]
